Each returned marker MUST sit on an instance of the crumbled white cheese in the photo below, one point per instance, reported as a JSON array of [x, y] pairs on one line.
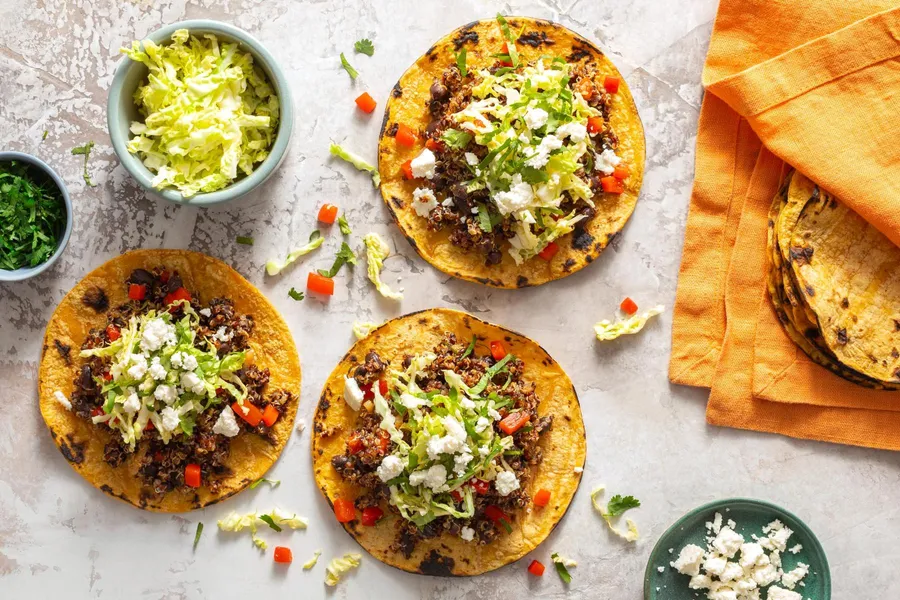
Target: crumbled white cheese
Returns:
[[453, 442], [461, 463], [535, 118], [575, 131], [542, 153], [777, 593], [434, 478], [132, 403], [506, 483], [138, 367], [467, 534], [169, 417], [424, 201], [157, 333], [176, 359], [61, 398], [796, 549], [471, 159], [792, 578], [728, 542], [205, 312], [189, 363], [157, 371], [301, 425], [165, 393], [661, 569], [192, 383], [353, 396], [578, 469], [481, 424], [714, 565], [423, 165], [606, 162], [751, 555], [223, 335], [519, 196], [731, 572], [391, 466], [226, 424], [689, 560]]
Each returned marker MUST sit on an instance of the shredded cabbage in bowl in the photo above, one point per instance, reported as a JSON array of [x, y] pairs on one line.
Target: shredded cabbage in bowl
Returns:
[[209, 113]]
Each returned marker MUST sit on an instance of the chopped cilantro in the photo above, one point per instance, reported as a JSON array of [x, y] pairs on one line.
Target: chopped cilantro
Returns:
[[32, 216], [44, 137], [461, 62], [298, 296], [348, 67], [456, 139], [268, 520], [365, 46], [533, 176], [86, 151], [198, 534], [484, 219], [245, 240], [506, 525], [562, 565], [344, 255], [619, 504], [504, 27], [470, 348], [344, 225]]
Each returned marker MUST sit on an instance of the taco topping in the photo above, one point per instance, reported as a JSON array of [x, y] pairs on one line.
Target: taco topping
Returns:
[[171, 378], [447, 439], [517, 153]]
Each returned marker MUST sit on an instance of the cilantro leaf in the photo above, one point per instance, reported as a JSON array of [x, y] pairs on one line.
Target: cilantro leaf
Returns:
[[619, 504], [348, 67], [298, 296], [344, 255], [365, 46], [268, 520], [44, 137], [198, 534], [484, 219], [456, 139], [245, 240], [533, 176], [461, 62], [344, 225], [86, 151], [561, 568]]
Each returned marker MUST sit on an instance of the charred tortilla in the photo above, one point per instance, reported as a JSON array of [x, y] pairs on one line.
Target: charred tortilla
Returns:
[[84, 314], [562, 448], [409, 106]]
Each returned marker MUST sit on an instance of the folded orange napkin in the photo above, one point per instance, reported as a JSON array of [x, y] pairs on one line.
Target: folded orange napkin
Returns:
[[815, 84]]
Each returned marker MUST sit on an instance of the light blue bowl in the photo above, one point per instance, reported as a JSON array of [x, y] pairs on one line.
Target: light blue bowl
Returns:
[[121, 111], [28, 272]]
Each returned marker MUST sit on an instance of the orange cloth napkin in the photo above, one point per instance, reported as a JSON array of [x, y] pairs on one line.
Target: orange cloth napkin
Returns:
[[815, 84]]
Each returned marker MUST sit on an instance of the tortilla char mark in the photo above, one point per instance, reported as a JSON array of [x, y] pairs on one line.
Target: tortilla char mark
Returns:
[[73, 451], [96, 298], [465, 35], [64, 351], [436, 564], [535, 39]]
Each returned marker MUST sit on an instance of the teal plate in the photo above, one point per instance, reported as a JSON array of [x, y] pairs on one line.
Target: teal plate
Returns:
[[751, 516]]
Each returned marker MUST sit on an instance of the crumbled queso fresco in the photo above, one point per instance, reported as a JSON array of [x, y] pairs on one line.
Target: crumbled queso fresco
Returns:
[[733, 568]]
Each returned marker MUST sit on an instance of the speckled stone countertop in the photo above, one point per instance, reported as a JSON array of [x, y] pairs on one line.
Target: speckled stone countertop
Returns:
[[60, 537]]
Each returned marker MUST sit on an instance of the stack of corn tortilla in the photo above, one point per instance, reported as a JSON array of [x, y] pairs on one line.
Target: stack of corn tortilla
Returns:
[[834, 281]]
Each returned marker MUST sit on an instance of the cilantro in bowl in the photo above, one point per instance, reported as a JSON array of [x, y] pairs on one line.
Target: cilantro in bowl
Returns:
[[32, 216]]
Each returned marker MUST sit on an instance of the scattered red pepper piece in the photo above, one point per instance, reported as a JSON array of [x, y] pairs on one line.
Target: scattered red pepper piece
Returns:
[[595, 124], [371, 515], [407, 169], [97, 412], [612, 185], [514, 422], [383, 386], [384, 441], [107, 376], [405, 136], [137, 291], [355, 444], [585, 87], [270, 415], [179, 294], [344, 510], [327, 214], [192, 475], [253, 415], [536, 568], [494, 513], [164, 276], [622, 171], [498, 351], [457, 497], [434, 145], [113, 333], [319, 284], [628, 306], [542, 497], [611, 84], [366, 103], [549, 251], [283, 555], [480, 486]]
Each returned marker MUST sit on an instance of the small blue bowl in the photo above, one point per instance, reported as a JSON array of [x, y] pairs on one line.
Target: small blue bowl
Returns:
[[29, 272], [121, 111]]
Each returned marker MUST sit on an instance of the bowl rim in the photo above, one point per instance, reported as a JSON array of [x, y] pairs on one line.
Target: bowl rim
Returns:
[[235, 190], [28, 272], [813, 540]]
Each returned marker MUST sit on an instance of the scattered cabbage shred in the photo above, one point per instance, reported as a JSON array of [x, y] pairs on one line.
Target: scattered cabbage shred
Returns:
[[274, 267], [362, 329], [236, 522], [376, 251], [629, 536], [357, 161], [339, 566], [209, 113], [607, 330]]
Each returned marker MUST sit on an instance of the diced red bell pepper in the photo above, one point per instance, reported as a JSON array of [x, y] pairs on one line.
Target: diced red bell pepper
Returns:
[[327, 214], [368, 394], [164, 276], [612, 185], [595, 124], [494, 513], [113, 333], [498, 351], [192, 475], [536, 568], [355, 444], [457, 497], [542, 497], [137, 291], [622, 171], [611, 84], [514, 422], [253, 415], [371, 515], [434, 145], [366, 103], [405, 136], [585, 87], [480, 486], [549, 251], [283, 555], [320, 284], [149, 426], [628, 306], [179, 294], [270, 415], [506, 63], [344, 510], [97, 412], [383, 386], [107, 376], [407, 170]]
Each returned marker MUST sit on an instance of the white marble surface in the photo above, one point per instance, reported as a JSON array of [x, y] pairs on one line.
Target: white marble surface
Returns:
[[61, 537]]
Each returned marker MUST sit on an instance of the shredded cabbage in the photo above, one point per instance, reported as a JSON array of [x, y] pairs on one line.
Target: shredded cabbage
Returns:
[[339, 566], [607, 330], [312, 562], [629, 536], [363, 328], [208, 113], [235, 522], [376, 251], [356, 160], [274, 267]]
